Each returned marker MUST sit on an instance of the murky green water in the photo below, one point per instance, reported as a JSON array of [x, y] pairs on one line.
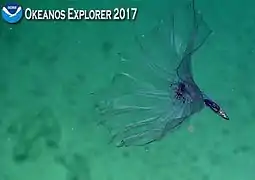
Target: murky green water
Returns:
[[51, 73]]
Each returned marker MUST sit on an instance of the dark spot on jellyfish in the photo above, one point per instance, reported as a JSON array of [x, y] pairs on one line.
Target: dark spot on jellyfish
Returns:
[[180, 90]]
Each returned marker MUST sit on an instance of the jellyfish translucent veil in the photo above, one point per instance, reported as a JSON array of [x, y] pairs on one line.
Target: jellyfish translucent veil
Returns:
[[140, 106]]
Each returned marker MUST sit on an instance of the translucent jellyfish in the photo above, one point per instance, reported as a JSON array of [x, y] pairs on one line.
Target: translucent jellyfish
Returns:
[[156, 92]]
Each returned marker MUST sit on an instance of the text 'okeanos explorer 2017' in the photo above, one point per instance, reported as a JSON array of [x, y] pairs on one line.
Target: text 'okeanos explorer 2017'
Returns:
[[75, 14]]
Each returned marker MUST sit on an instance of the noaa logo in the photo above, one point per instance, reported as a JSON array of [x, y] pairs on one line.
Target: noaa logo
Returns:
[[12, 13]]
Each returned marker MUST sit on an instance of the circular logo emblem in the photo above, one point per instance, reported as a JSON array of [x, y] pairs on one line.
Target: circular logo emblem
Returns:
[[12, 13]]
